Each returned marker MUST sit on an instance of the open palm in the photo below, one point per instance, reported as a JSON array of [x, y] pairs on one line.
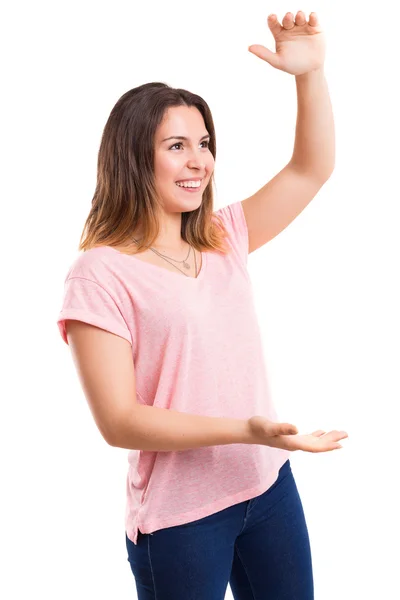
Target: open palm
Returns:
[[318, 441], [300, 44], [284, 435]]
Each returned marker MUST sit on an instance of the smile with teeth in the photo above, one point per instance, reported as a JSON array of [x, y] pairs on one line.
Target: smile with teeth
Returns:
[[188, 184]]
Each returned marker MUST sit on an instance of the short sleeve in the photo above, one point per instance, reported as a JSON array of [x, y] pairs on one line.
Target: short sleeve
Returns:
[[234, 221], [87, 301]]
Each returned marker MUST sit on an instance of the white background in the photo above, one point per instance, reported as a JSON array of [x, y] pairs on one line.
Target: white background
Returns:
[[326, 288]]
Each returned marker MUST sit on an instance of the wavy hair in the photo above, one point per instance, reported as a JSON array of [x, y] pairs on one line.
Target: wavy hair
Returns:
[[125, 197]]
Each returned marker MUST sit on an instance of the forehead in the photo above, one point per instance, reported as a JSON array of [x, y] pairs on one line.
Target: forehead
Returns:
[[182, 120]]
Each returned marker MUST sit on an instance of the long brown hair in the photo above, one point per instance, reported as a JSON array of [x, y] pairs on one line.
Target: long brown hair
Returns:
[[125, 197]]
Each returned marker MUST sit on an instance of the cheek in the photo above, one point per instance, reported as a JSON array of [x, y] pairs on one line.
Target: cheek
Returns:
[[166, 165], [171, 166], [210, 164]]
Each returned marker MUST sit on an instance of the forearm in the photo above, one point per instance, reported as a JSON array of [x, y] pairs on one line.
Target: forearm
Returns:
[[314, 146], [165, 430]]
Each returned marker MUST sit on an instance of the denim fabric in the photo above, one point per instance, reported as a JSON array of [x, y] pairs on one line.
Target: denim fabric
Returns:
[[259, 547]]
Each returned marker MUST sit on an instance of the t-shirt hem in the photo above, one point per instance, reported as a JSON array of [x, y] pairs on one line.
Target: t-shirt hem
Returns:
[[153, 525]]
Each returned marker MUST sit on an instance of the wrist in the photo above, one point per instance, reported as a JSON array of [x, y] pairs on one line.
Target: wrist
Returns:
[[312, 75]]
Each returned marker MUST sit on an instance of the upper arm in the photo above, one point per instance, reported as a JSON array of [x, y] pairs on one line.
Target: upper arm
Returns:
[[277, 204], [105, 368]]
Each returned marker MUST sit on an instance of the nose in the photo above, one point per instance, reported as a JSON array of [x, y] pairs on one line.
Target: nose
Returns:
[[197, 162]]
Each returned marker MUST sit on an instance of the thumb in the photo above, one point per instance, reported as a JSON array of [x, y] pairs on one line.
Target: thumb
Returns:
[[283, 429], [262, 427], [270, 57]]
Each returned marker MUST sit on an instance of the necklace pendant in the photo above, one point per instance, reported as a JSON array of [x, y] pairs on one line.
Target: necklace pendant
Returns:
[[186, 265]]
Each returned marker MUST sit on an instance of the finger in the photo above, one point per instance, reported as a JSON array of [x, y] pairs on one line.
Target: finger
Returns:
[[332, 447], [327, 448], [308, 443], [288, 22], [324, 446], [274, 24], [318, 433], [265, 54], [313, 20], [300, 18], [335, 436]]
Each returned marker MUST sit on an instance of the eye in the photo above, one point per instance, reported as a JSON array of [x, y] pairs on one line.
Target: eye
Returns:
[[180, 144]]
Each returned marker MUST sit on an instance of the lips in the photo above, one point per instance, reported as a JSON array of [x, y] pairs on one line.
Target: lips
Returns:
[[187, 180], [189, 189]]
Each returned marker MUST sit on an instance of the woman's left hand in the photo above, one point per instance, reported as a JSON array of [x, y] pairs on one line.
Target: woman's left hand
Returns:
[[300, 45]]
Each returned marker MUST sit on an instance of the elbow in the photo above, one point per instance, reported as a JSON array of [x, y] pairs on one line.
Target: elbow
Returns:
[[108, 434], [322, 177], [329, 174], [114, 437], [111, 438]]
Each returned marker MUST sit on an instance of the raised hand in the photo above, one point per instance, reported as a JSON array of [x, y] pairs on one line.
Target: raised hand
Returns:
[[300, 44], [283, 435]]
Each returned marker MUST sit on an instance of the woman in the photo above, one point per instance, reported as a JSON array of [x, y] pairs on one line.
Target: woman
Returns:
[[159, 314]]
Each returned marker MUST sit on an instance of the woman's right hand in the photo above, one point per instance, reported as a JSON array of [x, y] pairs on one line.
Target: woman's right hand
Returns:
[[285, 436]]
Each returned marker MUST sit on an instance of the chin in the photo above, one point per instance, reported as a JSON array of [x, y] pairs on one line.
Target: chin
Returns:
[[191, 203]]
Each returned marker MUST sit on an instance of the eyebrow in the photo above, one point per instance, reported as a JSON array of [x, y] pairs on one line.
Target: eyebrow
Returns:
[[181, 137]]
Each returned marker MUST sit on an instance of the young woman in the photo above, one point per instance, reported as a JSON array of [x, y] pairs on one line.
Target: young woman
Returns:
[[158, 312]]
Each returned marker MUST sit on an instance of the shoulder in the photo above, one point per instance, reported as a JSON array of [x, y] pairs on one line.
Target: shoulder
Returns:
[[93, 264], [230, 213]]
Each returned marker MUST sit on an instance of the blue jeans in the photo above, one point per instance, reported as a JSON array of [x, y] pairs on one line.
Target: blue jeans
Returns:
[[260, 547]]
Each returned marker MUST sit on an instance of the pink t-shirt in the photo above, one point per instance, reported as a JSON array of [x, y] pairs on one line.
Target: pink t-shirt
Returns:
[[197, 349]]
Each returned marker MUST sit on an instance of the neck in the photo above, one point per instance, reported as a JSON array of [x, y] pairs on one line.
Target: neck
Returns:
[[169, 238], [166, 246]]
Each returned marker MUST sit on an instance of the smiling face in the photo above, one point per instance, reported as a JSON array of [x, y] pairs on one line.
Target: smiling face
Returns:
[[177, 159]]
